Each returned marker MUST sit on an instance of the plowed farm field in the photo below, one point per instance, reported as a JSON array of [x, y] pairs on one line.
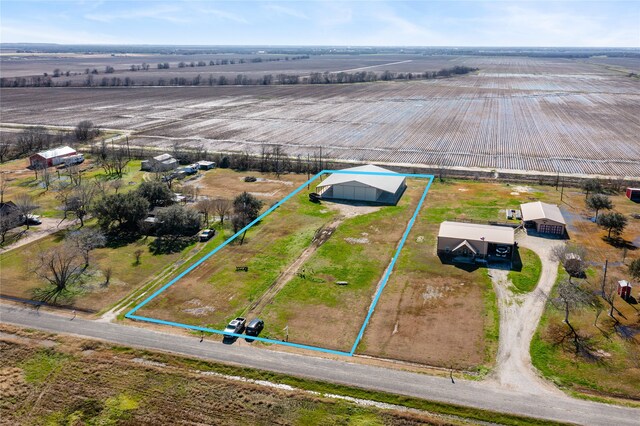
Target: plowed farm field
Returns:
[[526, 114]]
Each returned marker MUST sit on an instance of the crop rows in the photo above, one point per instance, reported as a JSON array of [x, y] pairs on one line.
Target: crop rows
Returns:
[[505, 117]]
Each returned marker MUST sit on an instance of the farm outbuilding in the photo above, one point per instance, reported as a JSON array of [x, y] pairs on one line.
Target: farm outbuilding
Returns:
[[545, 218], [52, 157], [477, 241], [633, 194], [159, 163], [374, 188], [624, 289], [206, 165]]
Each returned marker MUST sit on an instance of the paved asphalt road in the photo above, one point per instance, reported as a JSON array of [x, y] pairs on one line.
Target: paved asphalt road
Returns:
[[463, 392]]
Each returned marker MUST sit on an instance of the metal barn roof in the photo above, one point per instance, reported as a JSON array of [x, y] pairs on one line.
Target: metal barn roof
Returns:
[[383, 182], [163, 157], [477, 232], [539, 210], [57, 152]]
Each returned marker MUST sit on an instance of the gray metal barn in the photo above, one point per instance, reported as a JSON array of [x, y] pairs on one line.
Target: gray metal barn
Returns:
[[382, 189], [545, 218]]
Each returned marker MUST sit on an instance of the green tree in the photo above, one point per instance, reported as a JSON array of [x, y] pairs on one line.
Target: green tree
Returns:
[[121, 211], [613, 222], [156, 193], [177, 221], [598, 202], [246, 208], [592, 186]]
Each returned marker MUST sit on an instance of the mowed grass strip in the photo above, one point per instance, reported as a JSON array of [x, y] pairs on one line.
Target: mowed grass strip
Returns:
[[317, 311], [215, 291], [530, 265]]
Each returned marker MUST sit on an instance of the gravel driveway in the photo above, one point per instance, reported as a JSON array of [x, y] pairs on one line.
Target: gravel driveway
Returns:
[[519, 318]]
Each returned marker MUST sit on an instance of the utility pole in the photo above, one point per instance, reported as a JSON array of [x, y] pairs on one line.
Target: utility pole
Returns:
[[604, 277], [562, 190]]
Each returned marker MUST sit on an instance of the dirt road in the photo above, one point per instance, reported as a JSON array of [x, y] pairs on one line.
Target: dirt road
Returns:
[[519, 318]]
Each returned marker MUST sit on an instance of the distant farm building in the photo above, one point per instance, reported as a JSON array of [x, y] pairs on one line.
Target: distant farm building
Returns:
[[624, 289], [206, 165], [476, 241], [52, 157], [374, 188], [545, 218], [159, 163], [633, 194]]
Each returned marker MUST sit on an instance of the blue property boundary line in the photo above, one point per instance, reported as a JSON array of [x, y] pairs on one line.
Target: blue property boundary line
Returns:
[[131, 314]]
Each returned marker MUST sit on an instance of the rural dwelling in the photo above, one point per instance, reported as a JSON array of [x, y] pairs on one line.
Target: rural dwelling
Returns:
[[545, 218], [633, 194], [476, 241], [159, 163], [382, 189], [624, 289], [52, 157]]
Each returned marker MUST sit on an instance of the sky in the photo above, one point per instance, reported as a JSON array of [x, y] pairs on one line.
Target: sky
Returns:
[[326, 23]]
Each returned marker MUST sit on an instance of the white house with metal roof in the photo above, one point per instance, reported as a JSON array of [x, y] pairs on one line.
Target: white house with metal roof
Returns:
[[545, 218], [475, 240], [370, 186]]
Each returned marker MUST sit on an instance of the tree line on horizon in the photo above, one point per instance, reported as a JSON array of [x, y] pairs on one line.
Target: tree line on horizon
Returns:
[[240, 79]]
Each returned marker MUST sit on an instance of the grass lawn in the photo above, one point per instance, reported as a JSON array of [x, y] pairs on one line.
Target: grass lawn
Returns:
[[317, 311], [526, 278], [610, 364], [215, 292], [18, 280]]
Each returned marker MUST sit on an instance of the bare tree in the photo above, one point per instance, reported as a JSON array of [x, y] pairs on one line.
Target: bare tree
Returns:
[[116, 184], [206, 206], [572, 258], [85, 130], [80, 200], [5, 152], [45, 177], [32, 140], [8, 221], [63, 189], [25, 206], [138, 254], [86, 240], [61, 267], [4, 184], [222, 208], [278, 157], [569, 297]]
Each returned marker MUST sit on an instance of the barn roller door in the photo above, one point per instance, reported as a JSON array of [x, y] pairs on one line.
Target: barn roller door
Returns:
[[551, 229]]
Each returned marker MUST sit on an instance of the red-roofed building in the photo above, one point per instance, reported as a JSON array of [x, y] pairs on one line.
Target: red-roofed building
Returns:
[[52, 157]]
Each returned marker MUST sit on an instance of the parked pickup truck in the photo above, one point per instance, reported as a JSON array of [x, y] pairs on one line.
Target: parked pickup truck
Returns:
[[235, 326]]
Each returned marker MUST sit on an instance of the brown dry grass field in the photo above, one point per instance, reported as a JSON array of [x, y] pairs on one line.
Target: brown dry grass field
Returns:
[[48, 379], [552, 115]]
